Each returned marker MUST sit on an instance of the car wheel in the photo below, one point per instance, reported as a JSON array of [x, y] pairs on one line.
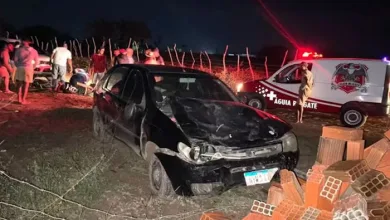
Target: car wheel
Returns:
[[159, 181], [99, 128], [257, 102], [353, 117]]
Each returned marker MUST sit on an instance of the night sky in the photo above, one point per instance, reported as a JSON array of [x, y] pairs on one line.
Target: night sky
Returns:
[[345, 27]]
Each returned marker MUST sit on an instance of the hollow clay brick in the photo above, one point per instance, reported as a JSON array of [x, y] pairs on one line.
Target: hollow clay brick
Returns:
[[355, 150], [347, 171], [282, 210], [325, 215], [291, 188], [342, 133], [314, 186], [214, 216], [352, 207], [384, 164], [275, 195], [370, 183], [377, 151], [256, 216], [311, 214], [329, 193], [296, 212], [330, 151], [262, 208], [378, 210], [384, 194], [387, 134]]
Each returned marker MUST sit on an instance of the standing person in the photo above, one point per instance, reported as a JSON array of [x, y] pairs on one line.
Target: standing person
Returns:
[[150, 58], [59, 58], [98, 66], [304, 90], [130, 53], [6, 67], [159, 58], [122, 58], [26, 59]]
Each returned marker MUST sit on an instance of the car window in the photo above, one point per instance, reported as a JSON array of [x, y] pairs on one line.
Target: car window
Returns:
[[190, 87], [291, 74], [116, 80], [134, 89]]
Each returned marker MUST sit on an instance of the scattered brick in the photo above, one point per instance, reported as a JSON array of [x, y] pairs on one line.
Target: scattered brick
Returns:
[[262, 208], [342, 133], [384, 164], [296, 212], [352, 207], [311, 213], [378, 209], [329, 193], [275, 195], [347, 171], [377, 151], [384, 194], [330, 151], [387, 134], [214, 216], [370, 183], [325, 215], [355, 150], [256, 216], [282, 210], [314, 185], [291, 188]]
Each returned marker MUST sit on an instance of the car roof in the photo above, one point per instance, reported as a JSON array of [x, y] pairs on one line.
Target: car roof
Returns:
[[160, 69]]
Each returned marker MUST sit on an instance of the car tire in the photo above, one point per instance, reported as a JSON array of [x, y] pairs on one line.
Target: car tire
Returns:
[[99, 128], [353, 117], [160, 183], [257, 102]]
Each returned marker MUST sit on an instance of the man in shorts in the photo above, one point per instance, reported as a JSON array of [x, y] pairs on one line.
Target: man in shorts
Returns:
[[26, 58], [98, 66], [60, 57], [6, 68], [304, 90]]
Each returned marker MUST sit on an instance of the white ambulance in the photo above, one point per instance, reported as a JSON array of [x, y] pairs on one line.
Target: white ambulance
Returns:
[[354, 88]]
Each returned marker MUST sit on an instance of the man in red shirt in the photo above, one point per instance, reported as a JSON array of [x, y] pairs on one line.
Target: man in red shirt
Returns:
[[98, 66]]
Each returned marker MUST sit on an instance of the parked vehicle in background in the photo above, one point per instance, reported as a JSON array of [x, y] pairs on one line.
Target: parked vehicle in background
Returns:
[[44, 66], [191, 128], [354, 88]]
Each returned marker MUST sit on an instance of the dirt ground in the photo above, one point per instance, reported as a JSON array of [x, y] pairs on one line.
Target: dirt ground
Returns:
[[52, 168]]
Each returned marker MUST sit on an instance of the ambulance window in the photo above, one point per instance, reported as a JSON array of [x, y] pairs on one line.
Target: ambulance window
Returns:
[[291, 74]]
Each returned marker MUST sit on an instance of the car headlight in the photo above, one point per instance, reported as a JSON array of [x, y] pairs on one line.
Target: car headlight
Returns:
[[290, 143], [188, 152], [197, 154], [239, 87]]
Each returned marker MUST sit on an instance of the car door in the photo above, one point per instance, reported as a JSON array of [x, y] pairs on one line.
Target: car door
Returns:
[[111, 103], [134, 109]]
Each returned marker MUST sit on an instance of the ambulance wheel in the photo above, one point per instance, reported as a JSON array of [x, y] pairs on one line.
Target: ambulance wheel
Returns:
[[353, 117], [257, 102]]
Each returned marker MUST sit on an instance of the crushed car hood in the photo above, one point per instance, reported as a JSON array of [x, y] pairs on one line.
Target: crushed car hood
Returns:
[[231, 124]]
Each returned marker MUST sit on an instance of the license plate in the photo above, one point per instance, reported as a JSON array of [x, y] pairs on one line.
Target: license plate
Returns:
[[259, 176]]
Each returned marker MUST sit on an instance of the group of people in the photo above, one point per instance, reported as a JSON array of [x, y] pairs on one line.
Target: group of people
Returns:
[[61, 57], [17, 62]]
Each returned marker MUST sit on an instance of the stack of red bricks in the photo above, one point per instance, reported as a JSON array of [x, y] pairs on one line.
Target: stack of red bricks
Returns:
[[346, 182]]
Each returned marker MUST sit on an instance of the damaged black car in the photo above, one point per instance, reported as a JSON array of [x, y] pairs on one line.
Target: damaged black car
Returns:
[[196, 135]]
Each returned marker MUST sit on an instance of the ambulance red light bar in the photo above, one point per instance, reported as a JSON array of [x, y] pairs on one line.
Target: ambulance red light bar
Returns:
[[311, 55]]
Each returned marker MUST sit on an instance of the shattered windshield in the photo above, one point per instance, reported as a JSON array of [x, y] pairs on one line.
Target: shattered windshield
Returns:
[[190, 86]]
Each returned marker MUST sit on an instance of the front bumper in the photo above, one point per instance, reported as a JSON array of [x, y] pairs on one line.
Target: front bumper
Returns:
[[221, 174]]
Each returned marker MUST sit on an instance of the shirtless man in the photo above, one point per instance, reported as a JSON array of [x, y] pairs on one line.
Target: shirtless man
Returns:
[[6, 69], [304, 90]]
